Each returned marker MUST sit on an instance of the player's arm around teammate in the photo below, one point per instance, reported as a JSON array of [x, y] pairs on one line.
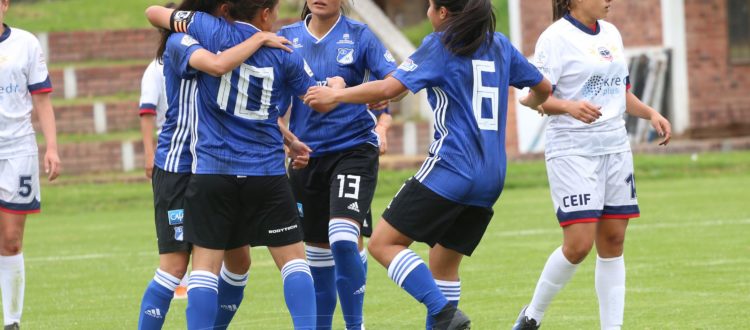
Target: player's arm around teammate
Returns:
[[592, 183], [25, 88], [436, 206]]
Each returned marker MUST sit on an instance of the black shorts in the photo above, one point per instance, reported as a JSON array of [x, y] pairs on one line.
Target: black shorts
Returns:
[[339, 185], [169, 192], [226, 212], [424, 216]]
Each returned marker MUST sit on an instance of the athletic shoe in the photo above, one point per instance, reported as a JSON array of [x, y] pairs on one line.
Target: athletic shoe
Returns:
[[524, 322], [13, 326], [451, 318]]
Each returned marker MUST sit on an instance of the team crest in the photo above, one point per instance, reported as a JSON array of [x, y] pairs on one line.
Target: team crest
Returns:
[[389, 57], [605, 54], [345, 56], [178, 234]]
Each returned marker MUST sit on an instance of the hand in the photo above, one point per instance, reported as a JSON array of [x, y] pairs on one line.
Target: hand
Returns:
[[148, 166], [383, 135], [662, 127], [584, 111], [380, 106], [51, 164], [320, 97], [299, 153], [275, 41], [336, 82], [527, 102]]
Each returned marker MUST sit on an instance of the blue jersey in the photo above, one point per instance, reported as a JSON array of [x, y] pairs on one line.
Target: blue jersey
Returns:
[[469, 97], [237, 129], [351, 51], [173, 146]]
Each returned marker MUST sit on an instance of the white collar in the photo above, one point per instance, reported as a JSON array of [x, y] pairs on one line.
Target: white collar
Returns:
[[327, 33]]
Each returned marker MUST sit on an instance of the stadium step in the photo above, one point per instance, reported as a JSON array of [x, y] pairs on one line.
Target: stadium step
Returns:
[[95, 116], [97, 79], [83, 46]]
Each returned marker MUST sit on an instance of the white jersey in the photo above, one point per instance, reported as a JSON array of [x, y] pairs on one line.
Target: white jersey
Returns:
[[23, 71], [154, 93], [585, 65]]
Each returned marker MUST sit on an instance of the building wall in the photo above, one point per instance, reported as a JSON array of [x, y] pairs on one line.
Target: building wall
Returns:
[[719, 91], [639, 22], [404, 12]]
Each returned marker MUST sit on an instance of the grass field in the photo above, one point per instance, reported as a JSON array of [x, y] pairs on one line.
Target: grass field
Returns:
[[91, 252]]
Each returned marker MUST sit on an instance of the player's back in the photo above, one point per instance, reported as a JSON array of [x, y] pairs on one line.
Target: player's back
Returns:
[[237, 129], [469, 95]]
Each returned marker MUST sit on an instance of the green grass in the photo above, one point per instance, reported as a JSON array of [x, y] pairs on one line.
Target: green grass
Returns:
[[74, 15], [91, 252], [79, 138]]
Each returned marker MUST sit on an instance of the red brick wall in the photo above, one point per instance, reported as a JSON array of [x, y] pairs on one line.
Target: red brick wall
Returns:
[[81, 46], [101, 81], [93, 157], [639, 22], [79, 119], [719, 91]]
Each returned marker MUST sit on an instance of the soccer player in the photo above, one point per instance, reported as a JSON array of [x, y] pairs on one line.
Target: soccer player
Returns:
[[335, 190], [466, 68], [181, 56], [589, 161], [238, 194], [24, 86]]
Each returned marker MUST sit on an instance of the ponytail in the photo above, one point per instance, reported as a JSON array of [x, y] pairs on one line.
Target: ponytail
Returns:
[[560, 8], [470, 25]]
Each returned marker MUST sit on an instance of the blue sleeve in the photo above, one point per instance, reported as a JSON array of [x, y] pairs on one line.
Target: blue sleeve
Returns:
[[425, 67], [378, 59], [207, 29], [522, 73], [180, 47], [284, 102], [299, 76]]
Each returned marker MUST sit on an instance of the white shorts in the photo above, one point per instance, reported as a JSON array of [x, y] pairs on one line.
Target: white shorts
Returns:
[[19, 185], [589, 188]]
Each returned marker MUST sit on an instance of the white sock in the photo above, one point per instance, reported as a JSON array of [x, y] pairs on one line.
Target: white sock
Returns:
[[12, 283], [610, 288], [557, 272]]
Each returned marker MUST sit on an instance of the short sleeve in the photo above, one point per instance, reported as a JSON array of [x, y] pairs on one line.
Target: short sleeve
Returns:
[[423, 68], [378, 59], [151, 88], [299, 76], [38, 76], [522, 73], [203, 27], [546, 59], [180, 47]]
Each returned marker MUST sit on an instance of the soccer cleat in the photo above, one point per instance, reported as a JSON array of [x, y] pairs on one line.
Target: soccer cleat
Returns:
[[180, 292], [13, 326], [451, 318], [524, 322]]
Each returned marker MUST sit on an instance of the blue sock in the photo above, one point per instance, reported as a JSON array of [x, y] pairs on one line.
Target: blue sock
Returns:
[[324, 277], [231, 292], [452, 291], [202, 300], [156, 300], [299, 294], [409, 271], [350, 273]]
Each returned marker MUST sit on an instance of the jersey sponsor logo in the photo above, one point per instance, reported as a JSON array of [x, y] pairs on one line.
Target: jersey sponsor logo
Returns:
[[599, 85], [300, 210], [389, 57], [188, 41], [345, 40], [345, 56], [281, 230], [408, 65], [175, 216], [605, 54], [10, 88], [179, 233]]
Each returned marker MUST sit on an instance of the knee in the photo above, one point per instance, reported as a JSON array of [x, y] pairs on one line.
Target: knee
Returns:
[[577, 252], [612, 240], [10, 246], [376, 247], [176, 270]]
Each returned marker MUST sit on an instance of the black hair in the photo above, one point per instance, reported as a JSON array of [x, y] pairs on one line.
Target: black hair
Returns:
[[306, 10], [560, 8], [206, 6], [246, 10], [469, 25]]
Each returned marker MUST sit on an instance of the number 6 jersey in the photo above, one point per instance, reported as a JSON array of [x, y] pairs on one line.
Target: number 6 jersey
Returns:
[[469, 97]]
